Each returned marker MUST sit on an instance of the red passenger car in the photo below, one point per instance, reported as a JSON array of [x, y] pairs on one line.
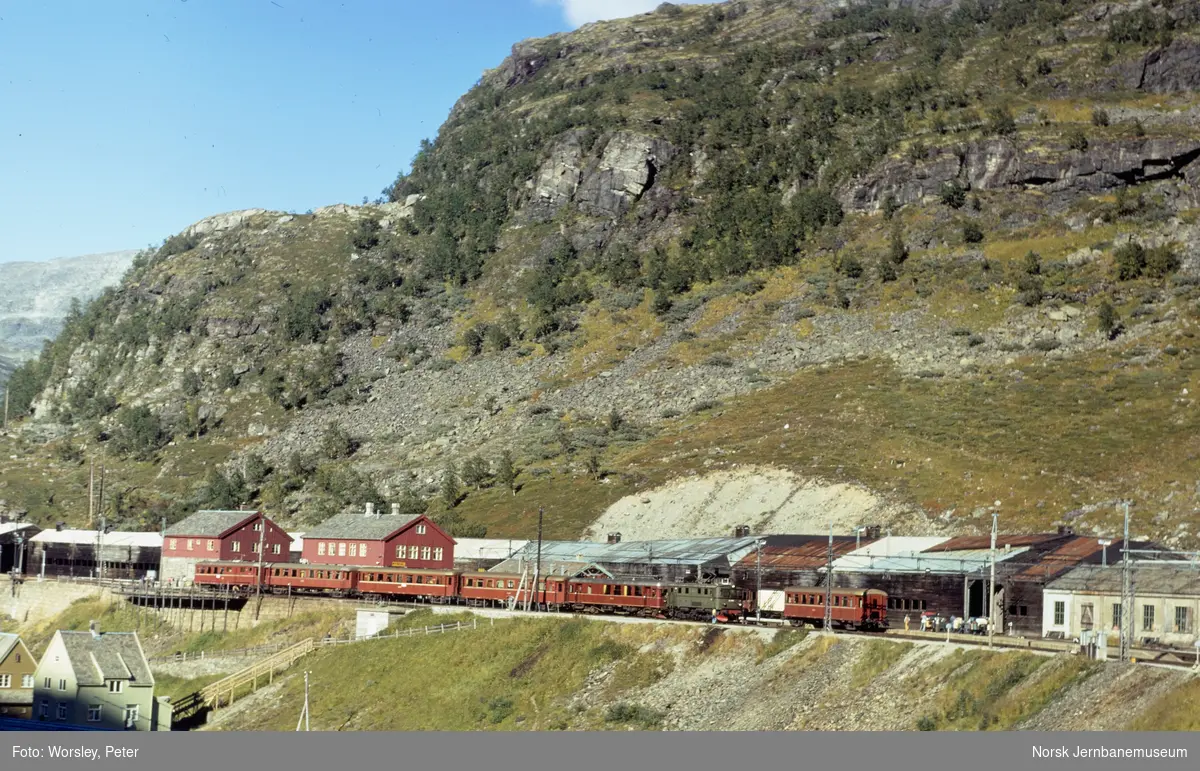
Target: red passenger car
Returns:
[[851, 608], [335, 580], [611, 595], [239, 575], [499, 588], [437, 585]]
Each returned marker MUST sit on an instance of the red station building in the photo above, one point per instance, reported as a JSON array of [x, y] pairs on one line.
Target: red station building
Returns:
[[221, 535], [372, 539]]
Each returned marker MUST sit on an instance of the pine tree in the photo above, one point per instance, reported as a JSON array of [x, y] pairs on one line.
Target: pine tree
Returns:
[[451, 492], [506, 472]]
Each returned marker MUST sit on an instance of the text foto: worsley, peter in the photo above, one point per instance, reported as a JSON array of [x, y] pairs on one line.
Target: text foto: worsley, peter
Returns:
[[73, 753], [1109, 752]]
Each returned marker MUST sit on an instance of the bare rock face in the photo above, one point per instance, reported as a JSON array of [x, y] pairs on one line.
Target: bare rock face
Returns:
[[1166, 70], [219, 222], [997, 164], [627, 168], [558, 178]]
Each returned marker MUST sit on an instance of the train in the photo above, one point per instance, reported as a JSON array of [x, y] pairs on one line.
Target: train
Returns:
[[722, 602]]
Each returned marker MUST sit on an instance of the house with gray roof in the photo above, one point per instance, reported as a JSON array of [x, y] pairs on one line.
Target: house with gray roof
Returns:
[[17, 666], [98, 680], [1166, 602], [371, 538]]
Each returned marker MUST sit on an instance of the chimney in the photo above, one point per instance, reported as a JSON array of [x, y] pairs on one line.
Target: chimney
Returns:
[[873, 531], [1066, 530], [614, 537], [395, 509], [741, 531], [370, 511], [94, 628]]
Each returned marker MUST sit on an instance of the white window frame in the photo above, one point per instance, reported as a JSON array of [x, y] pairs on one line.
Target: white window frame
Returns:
[[116, 686], [131, 716], [212, 545], [420, 529], [275, 548], [5, 681], [236, 546], [44, 709], [401, 551], [414, 551], [341, 549], [62, 710], [94, 713], [191, 543], [46, 683], [173, 544], [437, 554], [26, 681], [62, 684], [353, 550], [426, 551], [1060, 612], [320, 548], [362, 549]]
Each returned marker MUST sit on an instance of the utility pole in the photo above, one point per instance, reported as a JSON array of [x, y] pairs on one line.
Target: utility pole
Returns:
[[829, 584], [262, 533], [992, 583], [758, 581], [100, 547], [163, 534], [1126, 594], [537, 571], [91, 491], [303, 721], [6, 408]]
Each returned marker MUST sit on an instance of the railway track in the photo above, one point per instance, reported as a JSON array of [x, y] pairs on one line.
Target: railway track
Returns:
[[1169, 658]]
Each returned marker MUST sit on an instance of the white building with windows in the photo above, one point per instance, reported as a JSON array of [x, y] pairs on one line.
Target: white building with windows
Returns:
[[1166, 601], [98, 681]]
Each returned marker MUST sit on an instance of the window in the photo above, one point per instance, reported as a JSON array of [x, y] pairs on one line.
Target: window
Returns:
[[1116, 615], [341, 549], [1147, 618], [44, 709], [1183, 621], [212, 545], [26, 681], [116, 686], [258, 526], [237, 546], [131, 717], [353, 550], [437, 554], [275, 548], [62, 685], [46, 683], [172, 543], [62, 710], [254, 547], [94, 713], [1086, 616], [5, 681], [425, 552], [362, 550], [321, 548], [400, 552], [414, 551], [1060, 612], [420, 530], [191, 544]]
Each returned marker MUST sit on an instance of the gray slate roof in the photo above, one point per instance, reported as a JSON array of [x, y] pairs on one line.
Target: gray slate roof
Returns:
[[111, 656], [1175, 579], [209, 523], [356, 524], [8, 641]]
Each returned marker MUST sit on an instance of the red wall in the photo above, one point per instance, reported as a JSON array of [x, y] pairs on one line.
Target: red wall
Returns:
[[383, 553], [223, 547]]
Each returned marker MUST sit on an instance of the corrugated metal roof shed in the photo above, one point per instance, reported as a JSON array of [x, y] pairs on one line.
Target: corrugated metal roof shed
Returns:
[[1169, 579], [961, 542], [898, 545], [7, 528], [92, 537], [814, 553], [487, 548], [684, 551], [951, 562]]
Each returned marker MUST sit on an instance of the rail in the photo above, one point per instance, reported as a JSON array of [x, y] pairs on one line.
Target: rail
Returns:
[[414, 632]]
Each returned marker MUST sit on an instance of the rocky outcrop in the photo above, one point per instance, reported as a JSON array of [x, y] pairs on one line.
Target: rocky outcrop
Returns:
[[627, 168], [1165, 70], [220, 222], [558, 178], [1001, 163]]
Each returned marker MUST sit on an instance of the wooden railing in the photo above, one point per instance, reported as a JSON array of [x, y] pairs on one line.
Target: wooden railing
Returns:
[[231, 653], [211, 695]]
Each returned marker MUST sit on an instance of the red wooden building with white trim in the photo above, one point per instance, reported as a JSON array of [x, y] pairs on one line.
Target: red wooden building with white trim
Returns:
[[372, 539], [221, 535]]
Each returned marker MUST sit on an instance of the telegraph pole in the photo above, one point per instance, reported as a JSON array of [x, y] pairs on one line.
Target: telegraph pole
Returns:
[[992, 584], [262, 534], [91, 491], [829, 584], [537, 570], [6, 408], [758, 581], [1126, 594]]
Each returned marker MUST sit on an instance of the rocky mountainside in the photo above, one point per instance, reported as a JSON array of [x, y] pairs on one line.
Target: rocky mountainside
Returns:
[[35, 298], [922, 259]]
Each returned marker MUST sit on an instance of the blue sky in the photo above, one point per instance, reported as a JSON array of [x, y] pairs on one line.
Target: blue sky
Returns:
[[123, 122]]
